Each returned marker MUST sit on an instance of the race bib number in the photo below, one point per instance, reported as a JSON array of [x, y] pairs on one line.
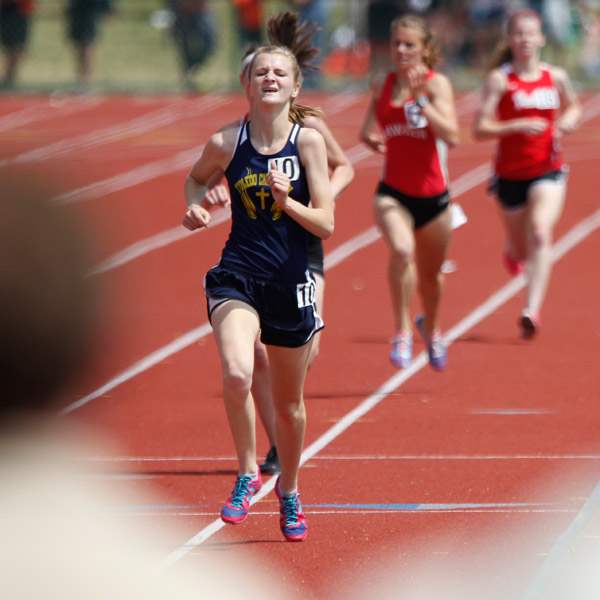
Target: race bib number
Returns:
[[414, 118], [287, 164], [305, 293]]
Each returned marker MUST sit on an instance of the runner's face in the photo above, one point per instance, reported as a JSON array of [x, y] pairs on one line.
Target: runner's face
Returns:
[[272, 79], [407, 47], [525, 38]]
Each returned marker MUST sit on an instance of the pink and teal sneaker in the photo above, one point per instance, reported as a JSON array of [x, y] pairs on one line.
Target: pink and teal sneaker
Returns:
[[236, 509], [291, 516]]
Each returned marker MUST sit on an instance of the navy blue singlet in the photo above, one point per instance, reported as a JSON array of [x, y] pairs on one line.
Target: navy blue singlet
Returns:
[[264, 242]]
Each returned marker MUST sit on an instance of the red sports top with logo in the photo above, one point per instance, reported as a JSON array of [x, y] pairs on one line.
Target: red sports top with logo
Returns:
[[416, 161], [522, 156]]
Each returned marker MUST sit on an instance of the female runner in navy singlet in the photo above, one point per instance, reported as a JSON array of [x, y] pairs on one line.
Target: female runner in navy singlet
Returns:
[[279, 188], [285, 29]]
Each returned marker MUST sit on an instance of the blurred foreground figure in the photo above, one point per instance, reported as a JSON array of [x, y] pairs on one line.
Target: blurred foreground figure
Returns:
[[61, 535]]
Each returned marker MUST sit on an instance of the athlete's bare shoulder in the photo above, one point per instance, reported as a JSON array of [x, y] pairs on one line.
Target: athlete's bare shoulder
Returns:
[[223, 141], [309, 136], [314, 122], [439, 82], [496, 79], [559, 75]]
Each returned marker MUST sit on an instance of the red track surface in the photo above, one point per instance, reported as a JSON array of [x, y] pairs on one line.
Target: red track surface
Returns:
[[438, 439]]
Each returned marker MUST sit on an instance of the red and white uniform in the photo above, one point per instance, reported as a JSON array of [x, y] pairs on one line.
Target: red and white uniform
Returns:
[[522, 156], [416, 160]]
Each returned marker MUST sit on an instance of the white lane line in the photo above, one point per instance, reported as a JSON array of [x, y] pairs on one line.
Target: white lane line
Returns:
[[574, 237], [465, 182], [142, 174], [445, 457], [53, 109], [154, 242], [132, 127], [160, 240], [334, 258], [470, 178], [355, 154], [143, 365], [347, 457], [511, 411], [563, 549], [346, 513], [182, 160]]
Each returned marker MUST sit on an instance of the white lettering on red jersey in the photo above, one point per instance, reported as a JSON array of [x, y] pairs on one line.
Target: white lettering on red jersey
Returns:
[[521, 156], [416, 160]]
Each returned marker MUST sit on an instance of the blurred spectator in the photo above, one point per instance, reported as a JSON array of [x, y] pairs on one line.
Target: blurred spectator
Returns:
[[485, 21], [380, 14], [15, 17], [315, 11], [83, 17], [589, 11], [249, 15], [67, 533], [194, 32]]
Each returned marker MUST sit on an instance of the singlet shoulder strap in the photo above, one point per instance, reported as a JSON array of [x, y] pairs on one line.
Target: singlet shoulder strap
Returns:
[[242, 134], [294, 134], [240, 137]]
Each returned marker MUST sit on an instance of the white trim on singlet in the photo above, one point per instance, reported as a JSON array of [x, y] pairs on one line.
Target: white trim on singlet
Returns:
[[294, 134], [240, 138], [242, 134], [442, 154]]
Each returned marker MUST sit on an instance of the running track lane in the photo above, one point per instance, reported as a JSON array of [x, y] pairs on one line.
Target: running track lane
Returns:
[[368, 439]]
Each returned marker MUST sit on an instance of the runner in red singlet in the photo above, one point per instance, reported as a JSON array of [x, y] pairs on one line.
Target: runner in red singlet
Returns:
[[412, 120], [528, 105]]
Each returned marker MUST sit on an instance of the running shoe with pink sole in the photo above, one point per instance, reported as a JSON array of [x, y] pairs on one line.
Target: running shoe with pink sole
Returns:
[[237, 506], [291, 516]]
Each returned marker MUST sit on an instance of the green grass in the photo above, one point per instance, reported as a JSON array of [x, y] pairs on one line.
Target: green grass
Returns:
[[133, 56], [129, 55]]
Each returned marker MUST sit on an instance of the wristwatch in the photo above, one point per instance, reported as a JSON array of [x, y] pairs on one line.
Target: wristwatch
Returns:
[[421, 101]]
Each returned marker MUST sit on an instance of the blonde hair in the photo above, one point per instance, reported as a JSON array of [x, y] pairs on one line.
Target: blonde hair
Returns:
[[432, 53], [297, 112]]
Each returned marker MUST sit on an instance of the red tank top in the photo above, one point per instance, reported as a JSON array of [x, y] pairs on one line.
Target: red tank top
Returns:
[[522, 156], [416, 161]]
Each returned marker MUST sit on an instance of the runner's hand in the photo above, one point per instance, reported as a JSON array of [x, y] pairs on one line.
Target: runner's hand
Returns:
[[376, 142], [216, 196], [417, 80], [280, 187], [196, 217], [531, 126]]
